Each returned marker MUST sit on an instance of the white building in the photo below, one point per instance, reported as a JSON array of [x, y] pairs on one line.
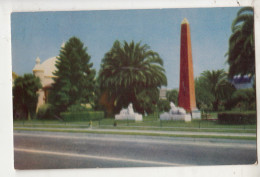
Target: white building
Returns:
[[162, 94], [45, 72], [242, 82]]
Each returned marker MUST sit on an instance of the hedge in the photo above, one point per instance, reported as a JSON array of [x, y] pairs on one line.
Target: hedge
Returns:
[[237, 118], [45, 111], [82, 116]]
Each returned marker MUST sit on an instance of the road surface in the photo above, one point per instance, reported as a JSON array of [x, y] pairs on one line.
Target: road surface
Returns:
[[50, 150]]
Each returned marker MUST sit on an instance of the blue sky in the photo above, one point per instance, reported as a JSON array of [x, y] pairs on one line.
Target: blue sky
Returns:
[[42, 33]]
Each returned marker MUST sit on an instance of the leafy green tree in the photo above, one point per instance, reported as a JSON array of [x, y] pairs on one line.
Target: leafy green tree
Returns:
[[241, 52], [77, 108], [74, 81], [131, 72], [164, 105], [96, 105], [172, 96], [244, 99], [25, 95], [204, 98], [147, 99], [219, 89], [46, 111]]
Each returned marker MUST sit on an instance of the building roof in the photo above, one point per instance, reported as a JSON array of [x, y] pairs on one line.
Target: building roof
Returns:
[[38, 66], [241, 79], [48, 66], [242, 82]]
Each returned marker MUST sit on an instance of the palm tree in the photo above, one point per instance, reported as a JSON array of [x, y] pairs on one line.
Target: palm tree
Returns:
[[241, 53], [217, 84], [130, 72]]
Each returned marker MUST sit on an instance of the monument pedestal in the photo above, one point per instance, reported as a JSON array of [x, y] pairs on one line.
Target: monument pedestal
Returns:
[[176, 113], [195, 114], [175, 117]]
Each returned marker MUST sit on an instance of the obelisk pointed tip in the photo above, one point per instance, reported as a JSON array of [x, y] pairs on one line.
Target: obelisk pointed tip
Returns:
[[185, 21]]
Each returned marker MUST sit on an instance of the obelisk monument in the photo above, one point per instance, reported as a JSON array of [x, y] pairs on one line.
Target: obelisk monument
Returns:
[[186, 96]]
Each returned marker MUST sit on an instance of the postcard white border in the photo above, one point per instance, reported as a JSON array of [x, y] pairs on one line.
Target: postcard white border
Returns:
[[6, 125]]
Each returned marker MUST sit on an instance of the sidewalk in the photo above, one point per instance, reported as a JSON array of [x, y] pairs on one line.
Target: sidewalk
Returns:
[[159, 132]]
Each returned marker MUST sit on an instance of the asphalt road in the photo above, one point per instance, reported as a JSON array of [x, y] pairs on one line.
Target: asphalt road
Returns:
[[49, 150]]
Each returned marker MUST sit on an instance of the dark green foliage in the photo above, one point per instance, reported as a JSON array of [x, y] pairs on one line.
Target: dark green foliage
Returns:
[[163, 106], [213, 89], [204, 98], [96, 98], [172, 96], [25, 96], [77, 108], [46, 111], [237, 118], [244, 99], [132, 73], [147, 99], [74, 83], [241, 52], [82, 116]]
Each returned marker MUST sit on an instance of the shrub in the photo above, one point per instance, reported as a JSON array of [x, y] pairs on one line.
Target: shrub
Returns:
[[163, 106], [45, 111], [237, 118], [243, 99], [19, 114], [82, 116], [172, 96], [77, 108]]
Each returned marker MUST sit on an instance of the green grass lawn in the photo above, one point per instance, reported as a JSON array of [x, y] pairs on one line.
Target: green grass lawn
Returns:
[[203, 125], [148, 123]]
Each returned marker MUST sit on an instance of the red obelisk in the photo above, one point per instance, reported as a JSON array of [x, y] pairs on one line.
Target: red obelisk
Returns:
[[186, 88]]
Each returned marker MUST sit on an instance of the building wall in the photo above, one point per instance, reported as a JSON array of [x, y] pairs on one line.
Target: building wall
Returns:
[[45, 72]]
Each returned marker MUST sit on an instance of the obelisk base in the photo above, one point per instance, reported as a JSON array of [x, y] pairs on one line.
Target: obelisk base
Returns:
[[195, 114]]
